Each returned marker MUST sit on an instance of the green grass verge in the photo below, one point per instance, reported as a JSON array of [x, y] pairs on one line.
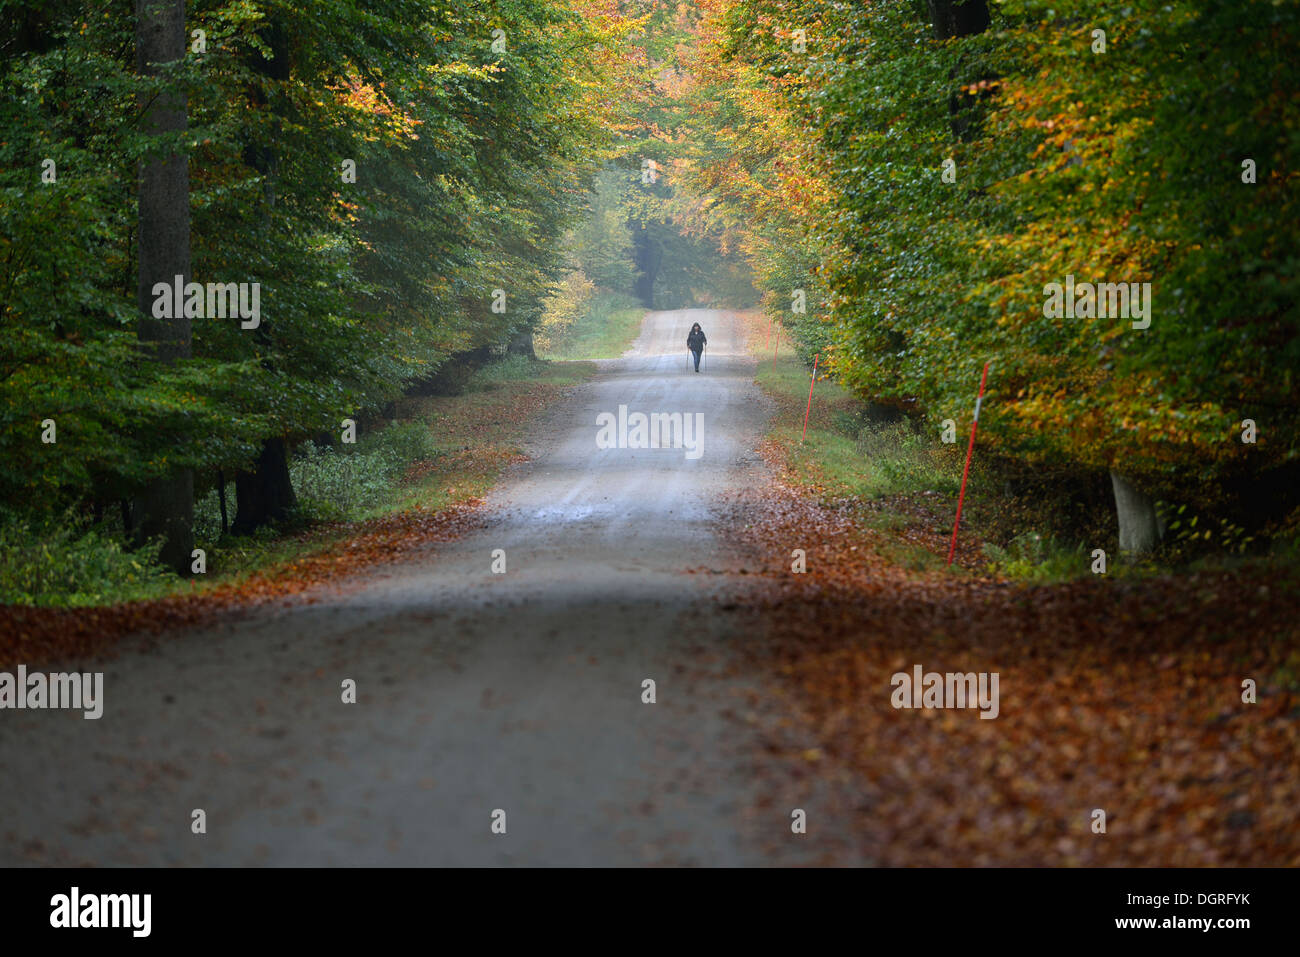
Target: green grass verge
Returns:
[[847, 451], [910, 480], [608, 326], [1040, 533]]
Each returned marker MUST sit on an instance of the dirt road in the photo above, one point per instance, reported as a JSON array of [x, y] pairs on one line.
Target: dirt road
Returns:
[[476, 691]]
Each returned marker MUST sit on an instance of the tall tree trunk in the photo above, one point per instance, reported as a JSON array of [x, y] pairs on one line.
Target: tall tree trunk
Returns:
[[958, 18], [166, 506], [1140, 525], [648, 255], [522, 345], [266, 494], [221, 500]]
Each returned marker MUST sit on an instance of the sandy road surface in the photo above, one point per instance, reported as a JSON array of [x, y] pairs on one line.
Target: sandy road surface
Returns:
[[476, 691]]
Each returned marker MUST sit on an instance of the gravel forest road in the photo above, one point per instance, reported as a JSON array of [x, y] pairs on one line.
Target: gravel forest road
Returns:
[[476, 691]]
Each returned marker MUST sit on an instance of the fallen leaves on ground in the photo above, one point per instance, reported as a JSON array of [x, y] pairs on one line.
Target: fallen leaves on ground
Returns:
[[1118, 695]]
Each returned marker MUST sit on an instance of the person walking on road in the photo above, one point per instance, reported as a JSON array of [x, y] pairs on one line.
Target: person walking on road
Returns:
[[695, 343]]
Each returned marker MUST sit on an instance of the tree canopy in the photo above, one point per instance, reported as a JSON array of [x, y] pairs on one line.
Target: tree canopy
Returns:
[[925, 180]]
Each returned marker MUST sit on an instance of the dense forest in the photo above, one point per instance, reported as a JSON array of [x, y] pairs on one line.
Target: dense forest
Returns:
[[1097, 198], [389, 180], [229, 230]]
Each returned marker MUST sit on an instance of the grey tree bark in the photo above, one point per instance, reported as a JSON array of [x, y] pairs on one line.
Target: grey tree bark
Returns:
[[266, 494], [166, 506], [958, 18], [648, 255], [1140, 525], [522, 345]]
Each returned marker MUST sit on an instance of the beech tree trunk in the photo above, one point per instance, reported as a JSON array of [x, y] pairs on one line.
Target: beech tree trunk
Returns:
[[955, 18], [221, 500], [522, 345], [166, 506], [958, 18], [648, 256], [265, 494], [1140, 526]]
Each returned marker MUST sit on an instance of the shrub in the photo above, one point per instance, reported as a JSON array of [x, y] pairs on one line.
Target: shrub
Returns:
[[335, 483], [59, 562]]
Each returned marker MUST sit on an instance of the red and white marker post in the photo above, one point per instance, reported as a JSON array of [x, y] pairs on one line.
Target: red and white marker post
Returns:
[[970, 449], [776, 345], [809, 409]]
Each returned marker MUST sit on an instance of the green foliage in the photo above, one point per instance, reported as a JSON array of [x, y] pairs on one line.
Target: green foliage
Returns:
[[342, 482], [510, 368], [602, 326], [899, 459], [694, 273], [602, 245], [471, 165], [564, 309], [1123, 166], [1190, 535], [1034, 557], [59, 561]]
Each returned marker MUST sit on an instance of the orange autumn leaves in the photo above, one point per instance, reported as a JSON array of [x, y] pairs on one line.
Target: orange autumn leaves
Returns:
[[1121, 697]]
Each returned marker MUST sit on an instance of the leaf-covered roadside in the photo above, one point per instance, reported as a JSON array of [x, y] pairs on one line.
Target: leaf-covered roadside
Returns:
[[1124, 696], [480, 431], [33, 635]]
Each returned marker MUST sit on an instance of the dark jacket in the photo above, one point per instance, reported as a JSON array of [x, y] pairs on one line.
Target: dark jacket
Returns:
[[695, 341]]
